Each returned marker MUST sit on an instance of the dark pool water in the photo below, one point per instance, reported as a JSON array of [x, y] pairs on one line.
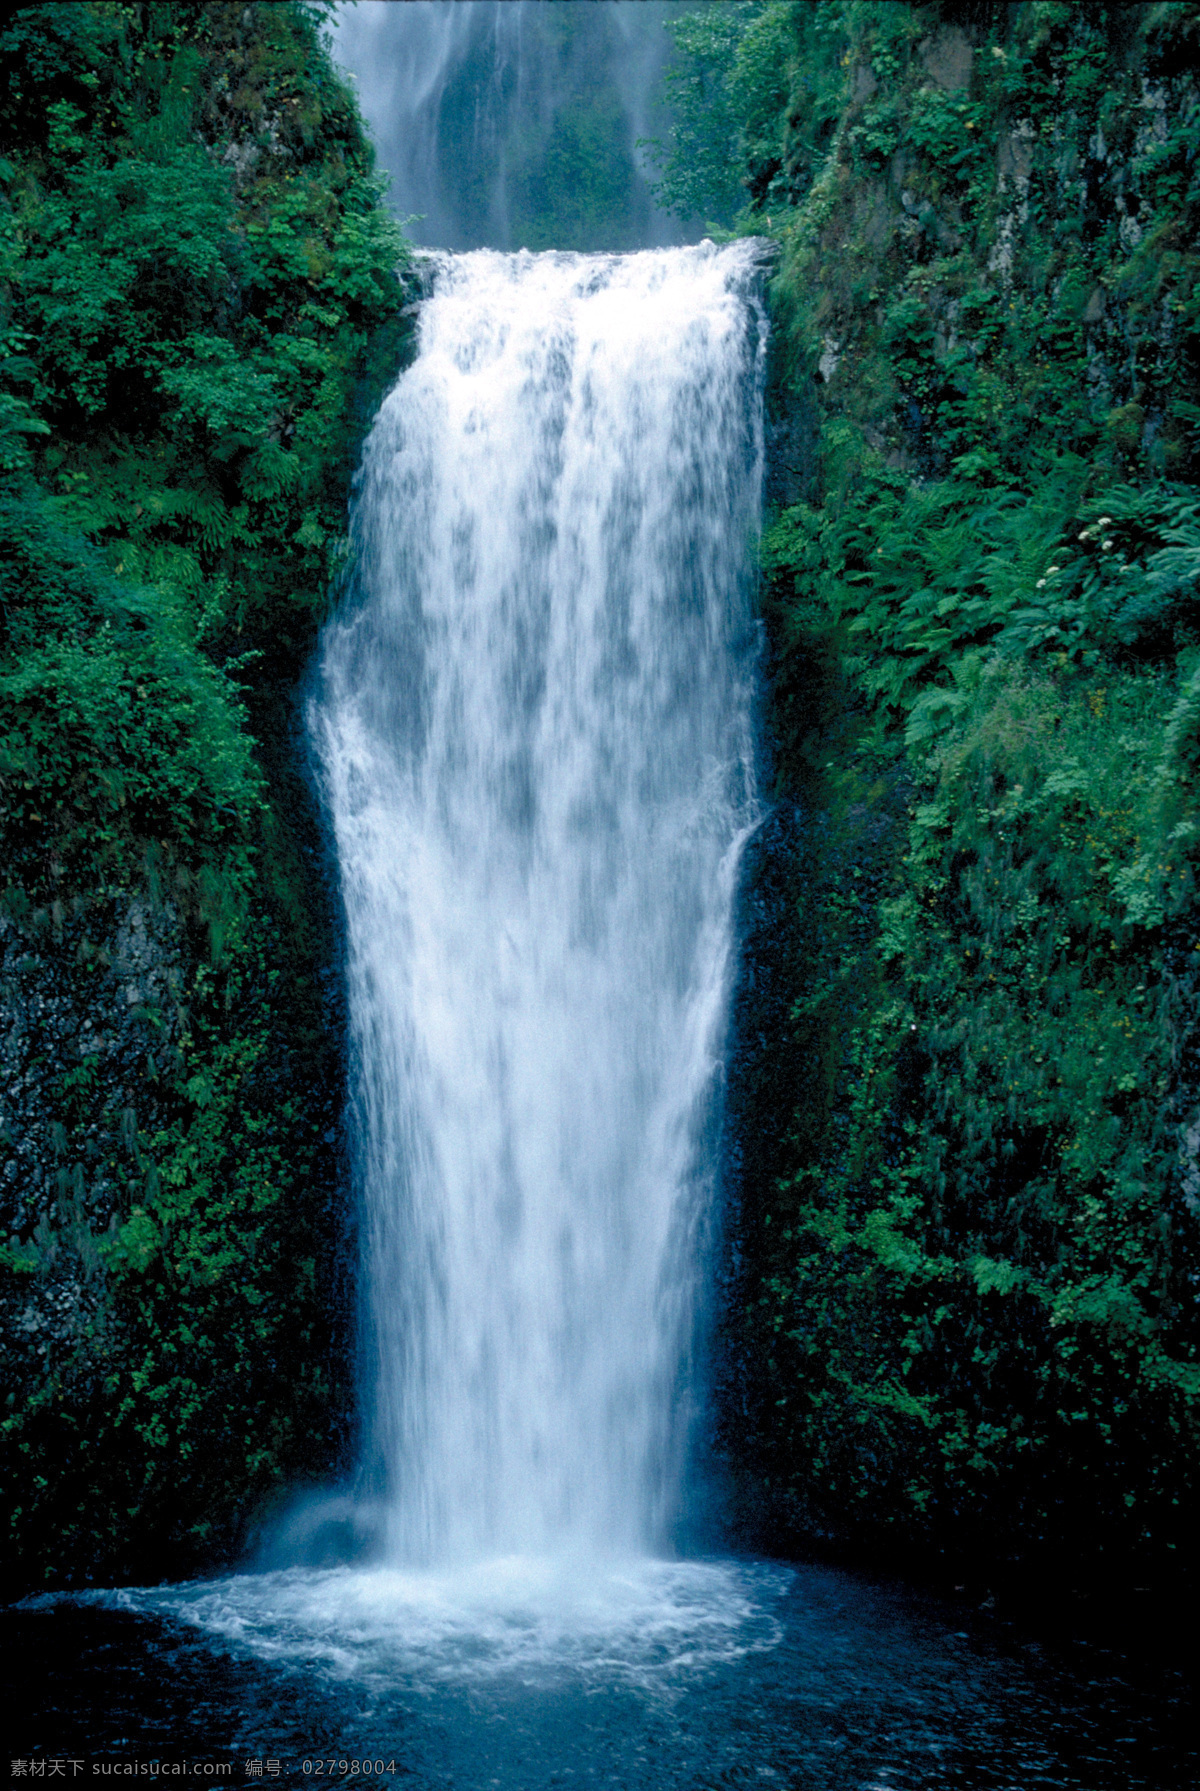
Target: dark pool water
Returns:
[[701, 1675]]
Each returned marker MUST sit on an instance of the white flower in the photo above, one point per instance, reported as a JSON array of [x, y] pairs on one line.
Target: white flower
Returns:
[[1040, 583], [1106, 544]]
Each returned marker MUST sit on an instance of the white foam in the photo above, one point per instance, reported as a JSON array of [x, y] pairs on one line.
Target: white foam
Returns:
[[640, 1620]]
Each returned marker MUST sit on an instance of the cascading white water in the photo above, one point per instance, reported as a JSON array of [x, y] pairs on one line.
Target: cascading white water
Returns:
[[534, 726]]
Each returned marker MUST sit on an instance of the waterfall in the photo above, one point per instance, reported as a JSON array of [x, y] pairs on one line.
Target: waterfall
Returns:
[[534, 729], [515, 123]]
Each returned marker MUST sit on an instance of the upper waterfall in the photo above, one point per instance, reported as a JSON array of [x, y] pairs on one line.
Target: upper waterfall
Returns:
[[534, 724], [508, 124]]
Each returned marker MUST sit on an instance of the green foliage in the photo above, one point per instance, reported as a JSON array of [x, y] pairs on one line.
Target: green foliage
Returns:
[[969, 1316], [1126, 586], [1000, 1216], [945, 129], [201, 302], [700, 173], [199, 347], [117, 731], [754, 93]]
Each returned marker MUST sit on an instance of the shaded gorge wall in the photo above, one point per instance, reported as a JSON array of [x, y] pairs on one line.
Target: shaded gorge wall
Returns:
[[177, 438], [964, 1325]]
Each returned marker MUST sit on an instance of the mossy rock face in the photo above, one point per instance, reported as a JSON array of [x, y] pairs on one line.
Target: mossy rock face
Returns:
[[964, 1320], [176, 446]]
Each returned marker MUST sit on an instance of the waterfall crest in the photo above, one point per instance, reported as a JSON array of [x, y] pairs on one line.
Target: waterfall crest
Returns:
[[534, 726]]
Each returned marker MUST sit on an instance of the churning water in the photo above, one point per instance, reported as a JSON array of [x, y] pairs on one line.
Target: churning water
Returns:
[[535, 730]]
